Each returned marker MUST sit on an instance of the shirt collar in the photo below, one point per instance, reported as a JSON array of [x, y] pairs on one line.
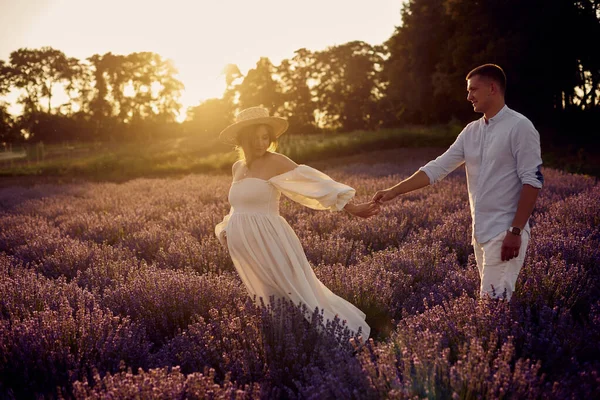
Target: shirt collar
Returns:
[[496, 117]]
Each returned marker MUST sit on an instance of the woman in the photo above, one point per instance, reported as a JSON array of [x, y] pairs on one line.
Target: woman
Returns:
[[266, 252]]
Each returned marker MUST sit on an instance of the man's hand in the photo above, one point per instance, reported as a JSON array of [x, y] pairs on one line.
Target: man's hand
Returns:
[[416, 181], [363, 210], [384, 195], [510, 246]]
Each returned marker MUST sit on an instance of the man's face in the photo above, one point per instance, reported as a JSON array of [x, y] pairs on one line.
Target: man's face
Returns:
[[479, 93]]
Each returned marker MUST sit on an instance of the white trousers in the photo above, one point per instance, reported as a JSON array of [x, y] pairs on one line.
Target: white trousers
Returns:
[[496, 275]]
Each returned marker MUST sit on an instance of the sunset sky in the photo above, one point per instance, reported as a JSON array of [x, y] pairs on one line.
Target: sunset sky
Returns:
[[201, 37]]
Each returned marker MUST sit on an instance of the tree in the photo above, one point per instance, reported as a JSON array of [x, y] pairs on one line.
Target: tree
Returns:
[[99, 106], [414, 53], [232, 74], [543, 48], [79, 88], [156, 91], [133, 90], [4, 78], [537, 57], [259, 88], [8, 130], [51, 127], [297, 96], [38, 72], [209, 117], [586, 96], [348, 83]]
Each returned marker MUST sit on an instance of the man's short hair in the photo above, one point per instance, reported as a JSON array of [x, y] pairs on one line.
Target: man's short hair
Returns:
[[490, 71]]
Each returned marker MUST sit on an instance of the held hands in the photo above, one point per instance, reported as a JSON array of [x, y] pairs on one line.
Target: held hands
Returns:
[[363, 210], [510, 246]]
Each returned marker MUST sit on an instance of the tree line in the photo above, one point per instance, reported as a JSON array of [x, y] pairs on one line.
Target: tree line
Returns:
[[107, 96], [548, 49]]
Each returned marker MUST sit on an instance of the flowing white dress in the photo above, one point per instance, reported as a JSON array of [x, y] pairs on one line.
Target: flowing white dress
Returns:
[[266, 252]]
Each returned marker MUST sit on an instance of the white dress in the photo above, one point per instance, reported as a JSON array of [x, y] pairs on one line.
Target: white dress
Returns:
[[266, 252]]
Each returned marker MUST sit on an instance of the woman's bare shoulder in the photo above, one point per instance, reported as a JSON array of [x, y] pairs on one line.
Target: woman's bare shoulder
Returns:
[[236, 165], [282, 163]]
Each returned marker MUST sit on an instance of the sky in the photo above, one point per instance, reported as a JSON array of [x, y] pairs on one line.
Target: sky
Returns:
[[199, 36]]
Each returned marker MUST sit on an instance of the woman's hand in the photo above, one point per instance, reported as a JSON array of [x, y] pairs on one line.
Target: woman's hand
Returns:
[[363, 210]]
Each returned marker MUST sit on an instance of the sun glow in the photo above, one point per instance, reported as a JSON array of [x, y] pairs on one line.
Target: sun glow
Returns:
[[200, 37]]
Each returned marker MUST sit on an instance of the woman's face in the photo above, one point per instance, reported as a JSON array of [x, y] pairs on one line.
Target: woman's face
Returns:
[[258, 142]]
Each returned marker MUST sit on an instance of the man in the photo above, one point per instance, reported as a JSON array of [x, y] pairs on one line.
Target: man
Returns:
[[501, 152]]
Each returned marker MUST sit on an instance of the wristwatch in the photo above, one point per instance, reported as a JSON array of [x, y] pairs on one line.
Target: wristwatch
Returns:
[[515, 231]]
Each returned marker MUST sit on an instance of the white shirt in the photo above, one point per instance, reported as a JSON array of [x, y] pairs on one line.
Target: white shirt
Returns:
[[500, 156]]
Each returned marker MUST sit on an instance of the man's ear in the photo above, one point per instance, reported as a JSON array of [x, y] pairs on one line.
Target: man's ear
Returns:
[[494, 87]]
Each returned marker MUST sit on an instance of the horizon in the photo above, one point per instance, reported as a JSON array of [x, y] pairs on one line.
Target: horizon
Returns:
[[226, 37]]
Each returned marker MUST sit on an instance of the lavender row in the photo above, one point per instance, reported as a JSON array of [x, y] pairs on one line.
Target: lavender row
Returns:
[[107, 288]]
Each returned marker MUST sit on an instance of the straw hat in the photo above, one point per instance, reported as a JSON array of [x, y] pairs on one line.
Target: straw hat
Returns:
[[252, 116]]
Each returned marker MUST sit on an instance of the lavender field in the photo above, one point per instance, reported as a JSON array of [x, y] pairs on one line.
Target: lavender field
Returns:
[[122, 291]]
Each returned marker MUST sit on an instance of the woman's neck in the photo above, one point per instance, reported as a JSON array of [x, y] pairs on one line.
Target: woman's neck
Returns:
[[250, 160]]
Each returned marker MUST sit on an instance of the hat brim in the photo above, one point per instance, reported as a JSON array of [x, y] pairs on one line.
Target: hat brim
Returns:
[[229, 135]]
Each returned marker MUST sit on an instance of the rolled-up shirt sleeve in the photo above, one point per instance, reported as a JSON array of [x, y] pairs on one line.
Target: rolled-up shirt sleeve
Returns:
[[437, 169], [527, 153]]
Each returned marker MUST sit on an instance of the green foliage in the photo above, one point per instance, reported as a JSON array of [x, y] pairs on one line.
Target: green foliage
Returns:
[[349, 84], [37, 72], [543, 47], [298, 104], [4, 82], [142, 86], [8, 131], [199, 155], [259, 87], [209, 117], [416, 77]]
